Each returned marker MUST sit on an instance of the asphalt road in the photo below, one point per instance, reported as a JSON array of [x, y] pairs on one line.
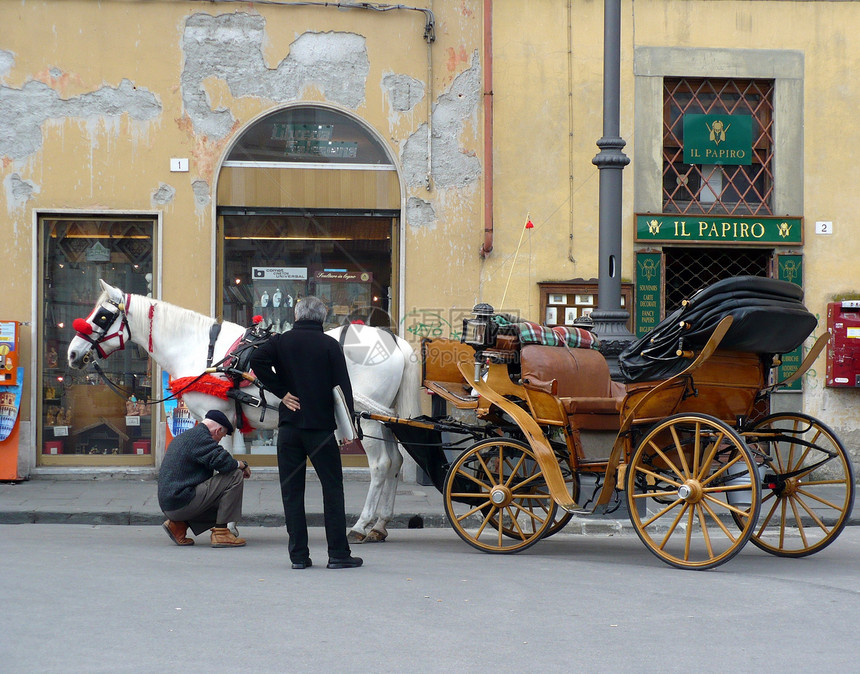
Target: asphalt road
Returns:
[[80, 598]]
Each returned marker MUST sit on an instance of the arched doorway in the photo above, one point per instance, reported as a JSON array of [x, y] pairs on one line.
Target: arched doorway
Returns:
[[308, 203]]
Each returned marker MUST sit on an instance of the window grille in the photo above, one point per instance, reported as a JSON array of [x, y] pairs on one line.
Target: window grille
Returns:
[[710, 188], [690, 269]]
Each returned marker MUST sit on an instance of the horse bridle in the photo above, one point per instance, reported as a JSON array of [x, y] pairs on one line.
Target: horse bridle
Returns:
[[93, 329]]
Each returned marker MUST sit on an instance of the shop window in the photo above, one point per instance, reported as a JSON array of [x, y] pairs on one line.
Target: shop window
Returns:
[[712, 187], [82, 421], [270, 262]]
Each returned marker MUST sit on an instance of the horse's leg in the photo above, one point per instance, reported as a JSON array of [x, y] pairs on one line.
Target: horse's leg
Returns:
[[375, 461], [385, 507]]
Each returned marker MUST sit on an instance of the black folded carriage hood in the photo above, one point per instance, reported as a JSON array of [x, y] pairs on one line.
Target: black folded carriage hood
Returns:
[[769, 318]]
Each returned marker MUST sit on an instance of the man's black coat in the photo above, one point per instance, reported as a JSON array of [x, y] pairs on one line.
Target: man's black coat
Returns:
[[308, 363]]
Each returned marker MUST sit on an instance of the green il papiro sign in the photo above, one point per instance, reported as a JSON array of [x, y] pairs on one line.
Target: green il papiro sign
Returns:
[[753, 229], [718, 139]]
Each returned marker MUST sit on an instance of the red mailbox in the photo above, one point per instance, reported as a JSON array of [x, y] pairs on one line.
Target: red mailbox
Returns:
[[843, 349]]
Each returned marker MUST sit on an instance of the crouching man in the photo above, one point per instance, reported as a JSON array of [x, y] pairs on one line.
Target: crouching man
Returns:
[[191, 496]]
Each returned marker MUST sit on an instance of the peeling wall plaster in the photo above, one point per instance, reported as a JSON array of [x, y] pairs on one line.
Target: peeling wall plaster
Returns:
[[450, 165], [420, 213], [18, 191], [404, 92], [201, 193], [23, 111], [230, 47], [163, 195]]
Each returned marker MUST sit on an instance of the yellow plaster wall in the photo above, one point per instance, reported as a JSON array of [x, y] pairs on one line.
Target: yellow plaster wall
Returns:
[[116, 163]]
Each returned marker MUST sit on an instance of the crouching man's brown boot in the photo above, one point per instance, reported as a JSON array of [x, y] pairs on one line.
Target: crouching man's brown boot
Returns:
[[176, 531], [222, 537]]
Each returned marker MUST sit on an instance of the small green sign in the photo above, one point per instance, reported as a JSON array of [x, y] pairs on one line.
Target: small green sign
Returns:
[[718, 139], [790, 268], [722, 229], [649, 284]]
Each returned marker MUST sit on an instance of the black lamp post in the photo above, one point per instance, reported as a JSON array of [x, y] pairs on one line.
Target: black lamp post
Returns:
[[610, 320]]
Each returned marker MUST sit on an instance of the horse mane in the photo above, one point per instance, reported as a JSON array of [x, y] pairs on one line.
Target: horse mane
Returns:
[[172, 319]]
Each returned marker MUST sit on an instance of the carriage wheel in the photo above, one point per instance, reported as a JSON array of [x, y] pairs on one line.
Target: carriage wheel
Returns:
[[496, 498], [689, 476], [807, 485]]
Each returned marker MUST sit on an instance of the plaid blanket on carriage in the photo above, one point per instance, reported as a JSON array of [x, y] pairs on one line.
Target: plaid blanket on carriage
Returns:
[[560, 335]]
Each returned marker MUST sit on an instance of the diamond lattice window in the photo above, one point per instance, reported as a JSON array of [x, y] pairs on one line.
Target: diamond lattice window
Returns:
[[690, 269], [711, 188]]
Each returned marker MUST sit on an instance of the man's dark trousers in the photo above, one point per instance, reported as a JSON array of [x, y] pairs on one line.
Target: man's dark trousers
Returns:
[[295, 445]]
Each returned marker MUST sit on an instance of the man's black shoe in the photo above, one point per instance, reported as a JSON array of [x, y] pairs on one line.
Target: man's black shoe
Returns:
[[345, 563], [303, 565]]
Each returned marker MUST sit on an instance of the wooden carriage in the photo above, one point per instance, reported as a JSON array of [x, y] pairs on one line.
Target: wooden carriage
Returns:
[[699, 472]]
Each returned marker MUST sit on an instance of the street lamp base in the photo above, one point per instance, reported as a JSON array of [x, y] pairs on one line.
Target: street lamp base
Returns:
[[611, 329]]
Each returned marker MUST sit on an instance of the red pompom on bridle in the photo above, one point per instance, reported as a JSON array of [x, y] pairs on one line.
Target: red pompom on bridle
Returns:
[[257, 319], [80, 325]]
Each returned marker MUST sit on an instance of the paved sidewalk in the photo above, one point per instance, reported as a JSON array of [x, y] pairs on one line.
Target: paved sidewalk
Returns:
[[134, 501], [126, 500]]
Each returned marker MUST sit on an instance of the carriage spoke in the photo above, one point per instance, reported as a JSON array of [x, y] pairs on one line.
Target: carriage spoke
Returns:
[[658, 476], [667, 459], [700, 511], [688, 533], [719, 522], [722, 470], [709, 458], [800, 528], [815, 518], [674, 523], [660, 514], [474, 510], [478, 482], [682, 455], [727, 506]]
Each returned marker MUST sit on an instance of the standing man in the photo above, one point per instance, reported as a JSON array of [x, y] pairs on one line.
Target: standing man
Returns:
[[188, 492], [301, 367]]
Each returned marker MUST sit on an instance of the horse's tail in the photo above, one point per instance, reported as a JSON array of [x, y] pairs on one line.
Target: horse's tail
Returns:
[[407, 403]]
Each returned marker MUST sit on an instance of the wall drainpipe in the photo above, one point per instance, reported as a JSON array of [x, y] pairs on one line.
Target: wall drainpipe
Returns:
[[487, 247]]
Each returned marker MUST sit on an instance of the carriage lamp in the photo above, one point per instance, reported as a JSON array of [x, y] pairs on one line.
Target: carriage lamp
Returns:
[[479, 332]]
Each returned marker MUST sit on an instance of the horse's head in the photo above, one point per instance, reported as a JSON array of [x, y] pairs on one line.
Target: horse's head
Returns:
[[105, 329]]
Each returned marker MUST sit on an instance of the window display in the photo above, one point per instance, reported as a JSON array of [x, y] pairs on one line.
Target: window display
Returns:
[[83, 421]]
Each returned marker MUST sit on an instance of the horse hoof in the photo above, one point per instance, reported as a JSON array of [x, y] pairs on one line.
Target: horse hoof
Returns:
[[376, 537], [356, 537]]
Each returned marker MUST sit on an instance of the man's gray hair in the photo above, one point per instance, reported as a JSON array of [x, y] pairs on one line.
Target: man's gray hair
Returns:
[[311, 308]]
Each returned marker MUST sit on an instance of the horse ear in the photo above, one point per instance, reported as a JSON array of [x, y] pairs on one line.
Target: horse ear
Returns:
[[114, 293]]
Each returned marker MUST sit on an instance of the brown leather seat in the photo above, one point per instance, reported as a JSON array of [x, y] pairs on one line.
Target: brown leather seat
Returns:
[[580, 379]]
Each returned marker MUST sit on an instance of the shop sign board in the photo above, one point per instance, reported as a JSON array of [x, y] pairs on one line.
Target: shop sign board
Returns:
[[279, 273], [790, 268], [674, 228], [649, 283], [718, 139], [344, 276]]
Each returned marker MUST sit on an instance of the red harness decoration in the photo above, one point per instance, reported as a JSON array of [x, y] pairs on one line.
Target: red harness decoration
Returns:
[[208, 384], [151, 314]]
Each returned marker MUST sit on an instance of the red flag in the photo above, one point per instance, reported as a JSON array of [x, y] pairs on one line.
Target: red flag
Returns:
[[530, 224]]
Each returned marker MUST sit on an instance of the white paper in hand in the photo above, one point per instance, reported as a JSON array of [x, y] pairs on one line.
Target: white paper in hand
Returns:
[[345, 431]]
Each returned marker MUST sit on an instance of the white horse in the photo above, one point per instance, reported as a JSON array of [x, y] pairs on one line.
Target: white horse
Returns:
[[383, 370]]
